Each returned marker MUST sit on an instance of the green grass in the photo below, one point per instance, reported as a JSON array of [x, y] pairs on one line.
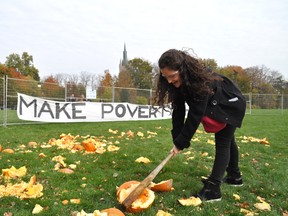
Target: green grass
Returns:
[[264, 168]]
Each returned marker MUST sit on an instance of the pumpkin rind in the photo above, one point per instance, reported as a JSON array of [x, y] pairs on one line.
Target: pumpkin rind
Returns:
[[89, 145], [113, 212], [143, 202], [162, 186]]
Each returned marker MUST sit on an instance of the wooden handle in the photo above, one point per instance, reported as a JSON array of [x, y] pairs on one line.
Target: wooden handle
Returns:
[[141, 187]]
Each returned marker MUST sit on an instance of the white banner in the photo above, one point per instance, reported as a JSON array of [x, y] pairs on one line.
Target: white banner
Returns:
[[37, 109]]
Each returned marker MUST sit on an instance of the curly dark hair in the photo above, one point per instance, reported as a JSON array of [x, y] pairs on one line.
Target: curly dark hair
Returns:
[[196, 78]]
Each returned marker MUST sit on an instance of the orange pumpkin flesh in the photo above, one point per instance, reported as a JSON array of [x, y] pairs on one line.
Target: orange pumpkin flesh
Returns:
[[125, 186], [143, 202], [162, 186], [8, 150], [113, 212], [77, 147], [89, 145]]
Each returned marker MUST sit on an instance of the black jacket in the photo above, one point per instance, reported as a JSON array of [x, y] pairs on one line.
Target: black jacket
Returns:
[[227, 105]]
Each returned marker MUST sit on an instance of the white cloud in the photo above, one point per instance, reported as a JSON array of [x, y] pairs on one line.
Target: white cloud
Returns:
[[70, 36]]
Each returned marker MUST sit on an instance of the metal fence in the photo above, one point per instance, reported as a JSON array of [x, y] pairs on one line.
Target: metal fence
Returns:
[[261, 104]]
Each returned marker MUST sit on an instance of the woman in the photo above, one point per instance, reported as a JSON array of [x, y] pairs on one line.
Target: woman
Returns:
[[212, 99]]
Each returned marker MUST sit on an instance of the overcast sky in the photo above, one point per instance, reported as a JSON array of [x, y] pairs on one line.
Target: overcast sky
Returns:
[[70, 36]]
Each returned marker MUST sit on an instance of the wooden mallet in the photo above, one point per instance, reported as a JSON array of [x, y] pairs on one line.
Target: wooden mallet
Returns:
[[144, 184]]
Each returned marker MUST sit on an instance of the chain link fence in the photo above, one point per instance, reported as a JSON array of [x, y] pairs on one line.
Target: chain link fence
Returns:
[[257, 104]]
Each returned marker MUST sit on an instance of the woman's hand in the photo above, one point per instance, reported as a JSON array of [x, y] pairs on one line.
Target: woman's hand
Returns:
[[175, 150]]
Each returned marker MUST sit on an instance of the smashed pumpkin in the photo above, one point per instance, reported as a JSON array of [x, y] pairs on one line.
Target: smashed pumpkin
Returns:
[[89, 145], [14, 172], [113, 212], [143, 202], [8, 151], [77, 147], [162, 186], [191, 201]]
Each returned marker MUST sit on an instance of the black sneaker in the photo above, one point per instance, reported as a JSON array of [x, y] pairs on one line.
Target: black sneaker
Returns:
[[210, 192], [237, 182]]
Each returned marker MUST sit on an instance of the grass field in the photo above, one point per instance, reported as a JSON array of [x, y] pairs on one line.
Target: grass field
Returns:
[[264, 167]]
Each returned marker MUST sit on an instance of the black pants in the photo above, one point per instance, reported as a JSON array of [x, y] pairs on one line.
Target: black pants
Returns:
[[226, 156]]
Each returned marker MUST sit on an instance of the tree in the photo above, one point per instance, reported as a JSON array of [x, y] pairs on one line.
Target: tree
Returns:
[[277, 81], [85, 78], [10, 72], [23, 64], [105, 89], [141, 73], [61, 78], [124, 80], [89, 79], [51, 88], [210, 63], [238, 75], [106, 80], [258, 77], [155, 74]]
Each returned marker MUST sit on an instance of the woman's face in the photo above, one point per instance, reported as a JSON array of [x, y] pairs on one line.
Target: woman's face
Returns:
[[172, 76]]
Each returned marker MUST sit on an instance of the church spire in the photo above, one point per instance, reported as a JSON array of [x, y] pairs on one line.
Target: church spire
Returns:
[[125, 59]]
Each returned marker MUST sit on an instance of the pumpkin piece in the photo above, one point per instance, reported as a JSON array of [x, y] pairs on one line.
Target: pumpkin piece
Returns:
[[113, 212], [130, 134], [32, 181], [126, 185], [42, 155], [264, 141], [162, 186], [65, 202], [75, 201], [66, 171], [140, 134], [14, 172], [263, 206], [77, 147], [100, 150], [142, 160], [112, 148], [32, 144], [89, 145], [33, 191], [192, 201], [113, 131], [143, 202], [37, 209], [163, 213], [9, 151], [0, 148]]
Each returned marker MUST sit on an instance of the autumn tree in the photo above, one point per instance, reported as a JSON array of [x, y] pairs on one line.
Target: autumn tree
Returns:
[[258, 78], [141, 73], [51, 88], [10, 72], [23, 64], [62, 78], [124, 85], [14, 84], [210, 63], [104, 91], [238, 75]]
